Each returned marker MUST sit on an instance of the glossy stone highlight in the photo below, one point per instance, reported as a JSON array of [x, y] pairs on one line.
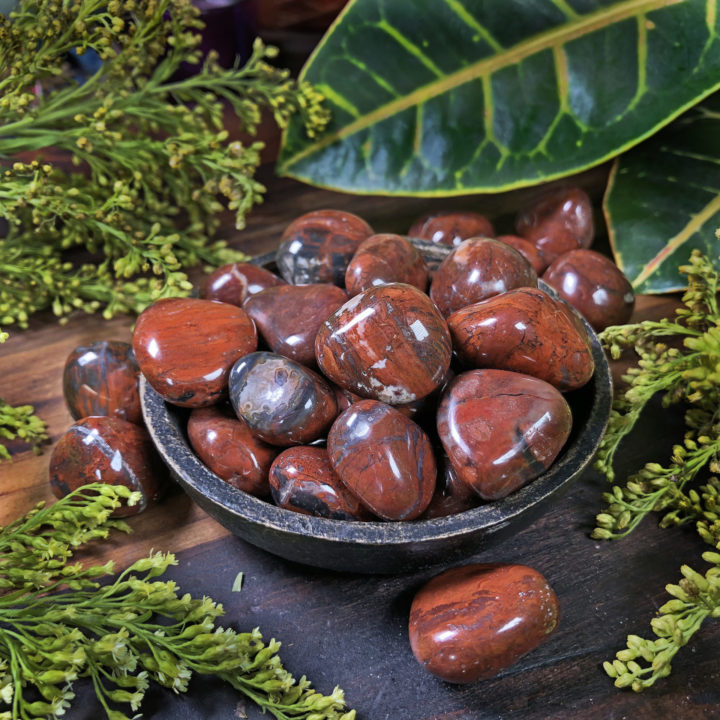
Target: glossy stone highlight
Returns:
[[451, 228], [111, 451], [236, 282], [526, 331], [302, 479], [384, 459], [317, 246], [501, 429], [283, 402], [185, 347], [388, 343], [289, 316], [474, 621], [594, 285], [228, 447], [102, 379], [477, 269]]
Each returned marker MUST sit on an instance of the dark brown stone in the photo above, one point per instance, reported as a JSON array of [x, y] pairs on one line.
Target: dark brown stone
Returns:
[[451, 228], [451, 495], [236, 282]]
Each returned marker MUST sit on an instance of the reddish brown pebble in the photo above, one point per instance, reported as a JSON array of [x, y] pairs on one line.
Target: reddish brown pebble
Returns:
[[185, 348], [317, 246], [501, 429], [384, 459], [388, 343], [527, 331], [227, 446], [472, 622], [477, 269], [527, 250], [303, 480], [594, 286], [288, 317], [559, 222], [451, 495], [111, 451], [102, 379], [236, 282], [451, 228], [383, 259]]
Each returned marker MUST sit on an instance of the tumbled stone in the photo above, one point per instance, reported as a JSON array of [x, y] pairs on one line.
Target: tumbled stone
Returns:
[[384, 459], [472, 622], [451, 494], [317, 246], [559, 222], [527, 250], [501, 429], [111, 451], [229, 449], [477, 269], [451, 228], [388, 343], [302, 479], [283, 402], [102, 379], [527, 331], [236, 282], [289, 316], [594, 285], [386, 258], [185, 348]]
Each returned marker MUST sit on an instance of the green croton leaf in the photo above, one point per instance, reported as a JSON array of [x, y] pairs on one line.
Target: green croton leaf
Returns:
[[663, 200], [444, 97]]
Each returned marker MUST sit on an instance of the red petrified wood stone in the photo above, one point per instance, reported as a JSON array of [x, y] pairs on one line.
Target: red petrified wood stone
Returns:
[[235, 282], [472, 622], [501, 429], [102, 379], [451, 495], [527, 331], [185, 348], [527, 250], [451, 228], [111, 451], [386, 258], [302, 479], [227, 446], [477, 269], [388, 343], [384, 459], [289, 316], [594, 286]]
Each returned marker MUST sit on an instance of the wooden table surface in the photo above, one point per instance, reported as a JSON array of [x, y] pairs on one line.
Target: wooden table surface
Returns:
[[351, 630]]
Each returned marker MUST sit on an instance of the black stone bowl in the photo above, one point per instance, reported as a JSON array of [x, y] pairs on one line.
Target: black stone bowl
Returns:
[[381, 547]]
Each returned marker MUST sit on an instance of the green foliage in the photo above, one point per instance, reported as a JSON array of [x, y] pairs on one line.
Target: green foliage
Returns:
[[110, 632], [20, 423], [155, 165]]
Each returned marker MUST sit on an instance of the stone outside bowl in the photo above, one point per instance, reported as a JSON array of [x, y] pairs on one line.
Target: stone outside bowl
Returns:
[[381, 547]]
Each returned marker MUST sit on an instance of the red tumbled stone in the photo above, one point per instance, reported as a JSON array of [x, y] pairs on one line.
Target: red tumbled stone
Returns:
[[235, 282], [594, 286], [451, 495], [289, 316], [185, 348], [384, 459], [110, 451], [228, 447], [474, 621], [388, 343], [527, 331], [451, 228], [527, 250], [477, 269], [501, 429]]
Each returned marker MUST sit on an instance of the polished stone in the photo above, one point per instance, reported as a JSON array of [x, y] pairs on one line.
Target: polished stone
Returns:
[[388, 343], [302, 479], [288, 317], [236, 282], [283, 402], [317, 246], [102, 379], [384, 459], [501, 429], [527, 331], [185, 348], [228, 447], [474, 621], [594, 285], [451, 228], [477, 269], [451, 494], [111, 451], [527, 250]]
